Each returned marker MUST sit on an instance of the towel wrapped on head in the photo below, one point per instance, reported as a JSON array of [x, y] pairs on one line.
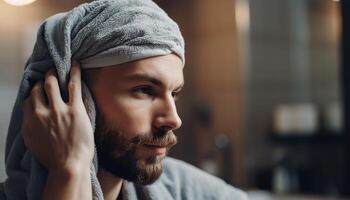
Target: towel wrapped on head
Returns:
[[97, 34]]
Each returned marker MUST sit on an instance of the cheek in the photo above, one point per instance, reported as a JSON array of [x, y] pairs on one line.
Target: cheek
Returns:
[[131, 116]]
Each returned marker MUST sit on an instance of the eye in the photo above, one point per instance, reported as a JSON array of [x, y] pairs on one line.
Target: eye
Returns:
[[176, 95], [143, 91]]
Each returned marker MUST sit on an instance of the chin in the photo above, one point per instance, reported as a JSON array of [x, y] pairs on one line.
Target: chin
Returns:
[[149, 170], [141, 171]]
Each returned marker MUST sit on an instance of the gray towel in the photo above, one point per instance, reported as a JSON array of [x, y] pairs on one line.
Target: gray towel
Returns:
[[101, 33]]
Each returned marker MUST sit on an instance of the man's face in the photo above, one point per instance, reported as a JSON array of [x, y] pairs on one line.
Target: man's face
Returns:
[[136, 115]]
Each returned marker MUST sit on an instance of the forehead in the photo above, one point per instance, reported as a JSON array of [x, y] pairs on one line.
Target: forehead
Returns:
[[168, 69]]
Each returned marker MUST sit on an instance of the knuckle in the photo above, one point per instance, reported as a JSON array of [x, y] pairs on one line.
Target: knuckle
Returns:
[[50, 82], [55, 117], [35, 90], [72, 86], [48, 85], [73, 110], [55, 111], [75, 115], [39, 112], [72, 115], [58, 112]]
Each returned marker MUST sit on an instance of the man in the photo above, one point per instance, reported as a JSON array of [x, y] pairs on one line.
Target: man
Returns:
[[135, 119]]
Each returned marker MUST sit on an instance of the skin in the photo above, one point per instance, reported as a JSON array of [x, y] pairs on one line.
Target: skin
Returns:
[[137, 97]]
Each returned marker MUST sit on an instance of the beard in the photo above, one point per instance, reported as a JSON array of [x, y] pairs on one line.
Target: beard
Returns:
[[117, 154]]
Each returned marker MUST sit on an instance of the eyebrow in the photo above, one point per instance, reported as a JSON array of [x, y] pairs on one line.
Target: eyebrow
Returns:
[[149, 78]]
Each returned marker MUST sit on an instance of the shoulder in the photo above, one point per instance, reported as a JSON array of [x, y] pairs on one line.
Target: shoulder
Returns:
[[193, 183]]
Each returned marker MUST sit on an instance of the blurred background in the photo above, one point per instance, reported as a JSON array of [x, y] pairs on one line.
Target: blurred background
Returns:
[[266, 89]]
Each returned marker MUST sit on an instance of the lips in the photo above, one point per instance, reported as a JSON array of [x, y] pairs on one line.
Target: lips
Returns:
[[156, 149], [158, 146]]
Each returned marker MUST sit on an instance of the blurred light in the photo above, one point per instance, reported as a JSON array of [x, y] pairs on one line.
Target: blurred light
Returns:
[[242, 15], [336, 0], [19, 2], [221, 141]]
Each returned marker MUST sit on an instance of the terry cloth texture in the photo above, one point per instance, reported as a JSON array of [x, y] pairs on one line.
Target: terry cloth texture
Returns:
[[96, 34], [181, 181]]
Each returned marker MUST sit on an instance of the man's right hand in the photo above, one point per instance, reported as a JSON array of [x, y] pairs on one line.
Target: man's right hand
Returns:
[[60, 135]]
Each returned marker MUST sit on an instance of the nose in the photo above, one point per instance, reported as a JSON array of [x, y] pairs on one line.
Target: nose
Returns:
[[166, 115]]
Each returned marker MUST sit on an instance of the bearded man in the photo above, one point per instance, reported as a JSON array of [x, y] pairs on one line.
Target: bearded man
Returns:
[[107, 139]]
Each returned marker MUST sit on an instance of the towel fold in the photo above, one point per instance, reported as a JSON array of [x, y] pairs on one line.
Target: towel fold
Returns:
[[96, 34]]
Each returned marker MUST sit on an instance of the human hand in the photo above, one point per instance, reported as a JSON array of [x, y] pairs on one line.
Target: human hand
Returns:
[[59, 134]]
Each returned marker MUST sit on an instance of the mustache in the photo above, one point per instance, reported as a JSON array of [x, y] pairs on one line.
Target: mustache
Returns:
[[109, 139], [161, 137]]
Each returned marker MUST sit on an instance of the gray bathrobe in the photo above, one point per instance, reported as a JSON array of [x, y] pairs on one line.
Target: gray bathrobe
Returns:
[[179, 181]]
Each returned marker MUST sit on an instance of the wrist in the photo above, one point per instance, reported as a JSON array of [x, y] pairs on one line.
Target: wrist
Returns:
[[68, 182], [70, 170]]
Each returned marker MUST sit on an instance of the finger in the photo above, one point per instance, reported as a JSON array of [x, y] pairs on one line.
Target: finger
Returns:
[[38, 98], [74, 85], [52, 89]]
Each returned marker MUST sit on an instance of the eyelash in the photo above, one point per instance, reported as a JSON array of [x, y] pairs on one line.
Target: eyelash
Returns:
[[144, 90], [147, 90], [176, 95]]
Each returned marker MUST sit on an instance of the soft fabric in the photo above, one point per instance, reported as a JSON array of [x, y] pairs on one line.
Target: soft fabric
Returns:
[[97, 34], [181, 181]]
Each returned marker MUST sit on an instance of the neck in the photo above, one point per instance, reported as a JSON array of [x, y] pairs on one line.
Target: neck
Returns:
[[111, 185]]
